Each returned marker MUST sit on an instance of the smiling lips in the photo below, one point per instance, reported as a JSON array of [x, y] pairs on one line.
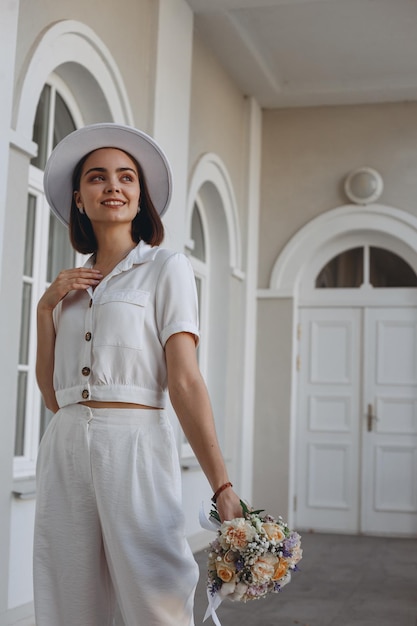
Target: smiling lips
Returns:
[[115, 203]]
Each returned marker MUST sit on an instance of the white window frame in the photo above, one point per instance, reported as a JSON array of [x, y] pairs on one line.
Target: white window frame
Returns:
[[201, 272], [24, 466]]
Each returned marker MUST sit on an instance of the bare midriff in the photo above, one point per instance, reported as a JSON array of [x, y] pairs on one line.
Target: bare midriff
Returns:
[[94, 404]]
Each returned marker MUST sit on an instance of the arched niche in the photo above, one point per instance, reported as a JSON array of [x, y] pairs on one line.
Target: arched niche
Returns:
[[210, 180], [211, 194], [71, 50]]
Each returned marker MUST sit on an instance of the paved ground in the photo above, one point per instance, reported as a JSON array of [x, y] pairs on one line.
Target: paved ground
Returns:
[[343, 581]]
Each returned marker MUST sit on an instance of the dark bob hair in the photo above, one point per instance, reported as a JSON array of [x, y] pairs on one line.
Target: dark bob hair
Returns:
[[146, 225]]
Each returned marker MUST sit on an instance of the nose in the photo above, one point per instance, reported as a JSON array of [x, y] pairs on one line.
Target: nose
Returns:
[[113, 185]]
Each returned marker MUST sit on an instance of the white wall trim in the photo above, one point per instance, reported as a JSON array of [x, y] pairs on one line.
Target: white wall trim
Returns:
[[23, 144], [269, 294], [335, 227], [210, 168], [237, 273], [68, 42], [253, 193]]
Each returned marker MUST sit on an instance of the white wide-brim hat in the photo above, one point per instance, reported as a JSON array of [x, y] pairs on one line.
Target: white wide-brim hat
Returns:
[[68, 153]]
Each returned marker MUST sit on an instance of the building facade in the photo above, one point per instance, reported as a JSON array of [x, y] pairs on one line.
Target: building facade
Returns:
[[307, 300]]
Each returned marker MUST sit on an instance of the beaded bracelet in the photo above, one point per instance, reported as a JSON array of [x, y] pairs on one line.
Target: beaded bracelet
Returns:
[[219, 490]]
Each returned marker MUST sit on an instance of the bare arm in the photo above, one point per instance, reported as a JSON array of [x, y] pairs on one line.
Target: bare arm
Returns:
[[45, 357], [191, 402], [66, 281]]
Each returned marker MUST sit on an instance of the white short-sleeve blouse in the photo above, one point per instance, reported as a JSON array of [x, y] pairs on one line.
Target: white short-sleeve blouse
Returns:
[[110, 342]]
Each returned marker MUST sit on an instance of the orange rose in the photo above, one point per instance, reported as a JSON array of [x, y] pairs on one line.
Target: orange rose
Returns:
[[280, 569], [225, 571], [273, 532]]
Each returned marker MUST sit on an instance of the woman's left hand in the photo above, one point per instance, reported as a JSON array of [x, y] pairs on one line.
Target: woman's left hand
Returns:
[[228, 505]]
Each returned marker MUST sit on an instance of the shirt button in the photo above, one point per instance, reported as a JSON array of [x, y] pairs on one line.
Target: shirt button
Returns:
[[85, 394], [87, 336], [85, 371]]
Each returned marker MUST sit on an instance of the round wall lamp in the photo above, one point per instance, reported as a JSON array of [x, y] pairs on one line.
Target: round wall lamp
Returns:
[[364, 185]]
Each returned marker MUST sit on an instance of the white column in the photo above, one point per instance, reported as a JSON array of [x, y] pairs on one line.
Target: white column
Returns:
[[9, 18], [249, 351], [9, 22], [172, 106]]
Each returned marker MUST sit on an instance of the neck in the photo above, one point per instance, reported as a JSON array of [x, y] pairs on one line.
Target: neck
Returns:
[[110, 251]]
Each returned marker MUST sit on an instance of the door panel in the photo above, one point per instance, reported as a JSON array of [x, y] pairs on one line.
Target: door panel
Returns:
[[328, 489], [390, 440], [357, 420], [327, 429]]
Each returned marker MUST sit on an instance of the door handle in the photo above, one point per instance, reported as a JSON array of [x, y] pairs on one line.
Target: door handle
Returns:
[[370, 417]]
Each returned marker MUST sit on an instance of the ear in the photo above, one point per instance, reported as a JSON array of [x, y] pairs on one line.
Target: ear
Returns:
[[78, 201]]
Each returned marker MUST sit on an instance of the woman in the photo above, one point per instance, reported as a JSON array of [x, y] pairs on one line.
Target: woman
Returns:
[[113, 337]]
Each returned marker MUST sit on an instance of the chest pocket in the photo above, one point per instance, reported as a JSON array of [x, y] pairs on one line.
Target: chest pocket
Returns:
[[120, 319]]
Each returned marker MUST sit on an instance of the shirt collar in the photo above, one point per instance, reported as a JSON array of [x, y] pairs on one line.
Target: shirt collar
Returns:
[[142, 253]]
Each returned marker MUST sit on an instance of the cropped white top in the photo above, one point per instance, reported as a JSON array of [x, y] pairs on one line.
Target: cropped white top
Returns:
[[110, 342]]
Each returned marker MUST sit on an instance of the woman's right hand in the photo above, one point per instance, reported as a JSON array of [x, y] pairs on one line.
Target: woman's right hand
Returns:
[[66, 281]]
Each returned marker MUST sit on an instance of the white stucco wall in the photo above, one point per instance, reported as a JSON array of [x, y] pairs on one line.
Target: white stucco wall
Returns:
[[174, 89]]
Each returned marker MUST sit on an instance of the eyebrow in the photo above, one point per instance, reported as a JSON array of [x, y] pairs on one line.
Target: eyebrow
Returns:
[[103, 169]]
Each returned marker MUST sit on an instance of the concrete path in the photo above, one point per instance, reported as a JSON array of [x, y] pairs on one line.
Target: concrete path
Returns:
[[343, 581]]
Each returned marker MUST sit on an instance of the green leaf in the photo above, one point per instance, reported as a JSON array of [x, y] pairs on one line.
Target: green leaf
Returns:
[[247, 511], [214, 513]]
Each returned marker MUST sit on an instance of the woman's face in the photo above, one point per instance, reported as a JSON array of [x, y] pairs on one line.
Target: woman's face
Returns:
[[109, 187]]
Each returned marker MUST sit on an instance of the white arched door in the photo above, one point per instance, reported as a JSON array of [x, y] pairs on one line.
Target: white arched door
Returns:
[[356, 439]]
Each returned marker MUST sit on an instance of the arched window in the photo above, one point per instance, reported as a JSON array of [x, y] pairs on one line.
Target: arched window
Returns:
[[198, 257], [197, 234], [214, 248], [47, 251], [199, 262], [371, 265]]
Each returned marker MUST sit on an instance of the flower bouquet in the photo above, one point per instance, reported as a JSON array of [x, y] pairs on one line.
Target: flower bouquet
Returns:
[[252, 556]]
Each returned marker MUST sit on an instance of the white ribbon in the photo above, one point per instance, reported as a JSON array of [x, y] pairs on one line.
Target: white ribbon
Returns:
[[213, 603], [209, 523]]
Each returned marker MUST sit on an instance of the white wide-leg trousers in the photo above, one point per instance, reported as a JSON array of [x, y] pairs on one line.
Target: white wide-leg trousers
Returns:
[[109, 530]]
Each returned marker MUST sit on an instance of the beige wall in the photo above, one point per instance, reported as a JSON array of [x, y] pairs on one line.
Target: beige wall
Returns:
[[218, 119], [307, 154], [273, 406], [129, 35]]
